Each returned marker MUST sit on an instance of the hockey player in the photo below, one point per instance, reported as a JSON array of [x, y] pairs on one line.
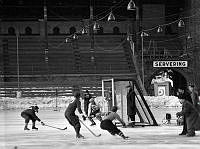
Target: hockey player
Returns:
[[108, 125], [29, 114], [70, 114], [93, 109]]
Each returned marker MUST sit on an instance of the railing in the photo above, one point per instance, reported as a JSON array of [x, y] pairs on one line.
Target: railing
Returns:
[[48, 92]]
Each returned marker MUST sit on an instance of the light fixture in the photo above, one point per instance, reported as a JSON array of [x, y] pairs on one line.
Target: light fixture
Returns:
[[128, 38], [96, 26], [67, 40], [189, 36], [83, 31], [75, 37], [143, 34], [111, 17], [181, 23], [159, 30], [131, 5]]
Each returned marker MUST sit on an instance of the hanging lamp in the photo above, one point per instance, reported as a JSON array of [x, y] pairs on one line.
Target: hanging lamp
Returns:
[[96, 26], [111, 17], [181, 23], [75, 37], [143, 34], [83, 31], [131, 5], [159, 30]]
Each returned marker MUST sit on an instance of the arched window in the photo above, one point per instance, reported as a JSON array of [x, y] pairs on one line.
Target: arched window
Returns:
[[100, 30], [116, 30], [56, 30], [72, 30], [11, 31], [28, 31]]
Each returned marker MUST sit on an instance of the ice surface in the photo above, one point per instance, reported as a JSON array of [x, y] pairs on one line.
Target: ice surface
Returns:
[[12, 135]]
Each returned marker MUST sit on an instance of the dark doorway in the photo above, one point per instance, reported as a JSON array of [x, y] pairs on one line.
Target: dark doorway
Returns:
[[179, 80]]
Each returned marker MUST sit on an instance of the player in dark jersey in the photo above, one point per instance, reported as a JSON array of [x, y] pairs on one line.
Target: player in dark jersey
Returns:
[[71, 117], [29, 114], [108, 125]]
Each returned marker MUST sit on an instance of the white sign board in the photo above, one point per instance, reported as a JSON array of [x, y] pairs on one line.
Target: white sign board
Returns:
[[170, 64], [161, 91]]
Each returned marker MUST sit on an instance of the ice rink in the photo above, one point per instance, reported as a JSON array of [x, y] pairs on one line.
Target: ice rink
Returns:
[[12, 135]]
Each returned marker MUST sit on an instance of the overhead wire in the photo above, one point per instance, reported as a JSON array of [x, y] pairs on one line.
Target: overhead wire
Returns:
[[145, 30]]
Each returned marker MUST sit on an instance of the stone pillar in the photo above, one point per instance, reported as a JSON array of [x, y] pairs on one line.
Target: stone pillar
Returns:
[[194, 29]]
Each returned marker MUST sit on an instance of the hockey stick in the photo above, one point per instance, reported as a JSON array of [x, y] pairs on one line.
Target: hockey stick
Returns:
[[55, 127], [89, 129]]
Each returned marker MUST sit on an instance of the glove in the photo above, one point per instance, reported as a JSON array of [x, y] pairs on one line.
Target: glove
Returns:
[[178, 114], [84, 117], [124, 125], [42, 123]]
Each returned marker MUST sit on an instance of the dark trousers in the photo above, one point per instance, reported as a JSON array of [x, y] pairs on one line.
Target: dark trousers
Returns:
[[109, 126], [86, 104], [27, 118], [184, 125], [132, 117], [94, 114], [74, 121]]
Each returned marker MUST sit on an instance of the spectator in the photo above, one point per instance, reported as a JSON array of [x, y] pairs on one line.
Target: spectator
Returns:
[[131, 107], [183, 94], [191, 116]]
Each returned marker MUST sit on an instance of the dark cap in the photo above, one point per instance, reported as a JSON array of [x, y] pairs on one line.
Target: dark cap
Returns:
[[182, 87], [77, 94], [191, 84], [114, 109], [36, 107]]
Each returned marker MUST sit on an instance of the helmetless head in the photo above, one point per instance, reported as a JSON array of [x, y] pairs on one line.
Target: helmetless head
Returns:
[[114, 109], [191, 87], [181, 100], [35, 108], [181, 90], [77, 95]]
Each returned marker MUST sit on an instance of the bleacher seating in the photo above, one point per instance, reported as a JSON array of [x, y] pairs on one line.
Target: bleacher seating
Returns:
[[68, 63], [72, 63]]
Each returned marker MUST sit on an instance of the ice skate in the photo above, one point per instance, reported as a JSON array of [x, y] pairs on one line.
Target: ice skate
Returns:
[[182, 133], [79, 136], [125, 137], [34, 128], [26, 128], [190, 134]]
